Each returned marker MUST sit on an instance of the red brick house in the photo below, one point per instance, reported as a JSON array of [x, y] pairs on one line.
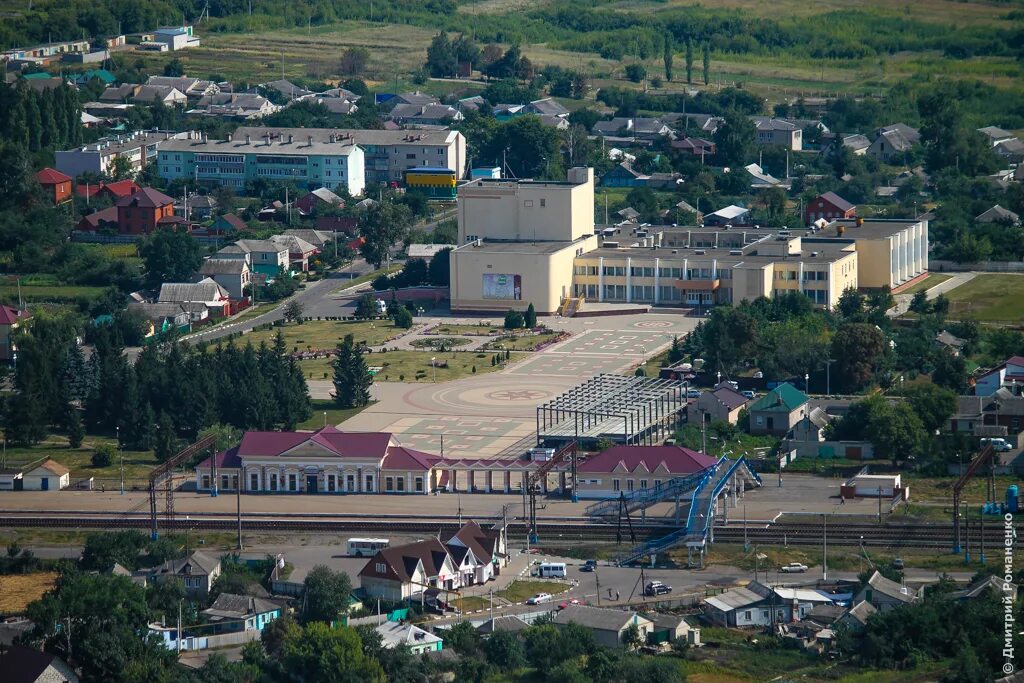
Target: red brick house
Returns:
[[10, 320], [829, 206], [116, 190], [142, 212], [56, 184]]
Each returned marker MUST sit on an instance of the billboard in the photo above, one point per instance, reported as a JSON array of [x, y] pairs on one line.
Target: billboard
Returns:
[[503, 286]]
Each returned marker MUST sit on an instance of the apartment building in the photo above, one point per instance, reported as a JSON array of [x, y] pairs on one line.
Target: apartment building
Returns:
[[307, 160], [139, 148]]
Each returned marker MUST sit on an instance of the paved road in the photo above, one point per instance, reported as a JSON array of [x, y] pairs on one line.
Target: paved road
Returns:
[[317, 298]]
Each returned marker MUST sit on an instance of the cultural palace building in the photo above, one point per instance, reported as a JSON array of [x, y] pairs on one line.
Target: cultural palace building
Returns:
[[333, 462], [525, 241]]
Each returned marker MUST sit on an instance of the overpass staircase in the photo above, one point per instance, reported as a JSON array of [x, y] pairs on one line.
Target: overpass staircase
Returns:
[[641, 499], [702, 509]]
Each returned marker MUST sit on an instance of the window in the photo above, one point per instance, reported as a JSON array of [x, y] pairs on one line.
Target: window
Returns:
[[369, 482], [332, 484], [400, 484], [419, 484], [615, 485], [293, 482], [273, 482], [389, 483], [543, 203], [629, 484], [410, 156], [528, 203], [657, 484], [350, 482], [746, 615], [206, 481], [643, 483], [254, 482], [381, 568]]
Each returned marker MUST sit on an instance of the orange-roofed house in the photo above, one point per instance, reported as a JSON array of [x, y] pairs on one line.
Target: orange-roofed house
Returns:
[[56, 184], [10, 320]]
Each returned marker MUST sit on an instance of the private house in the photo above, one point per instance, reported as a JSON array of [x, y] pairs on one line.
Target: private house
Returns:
[[56, 185], [143, 212], [163, 317], [409, 636], [320, 198], [1011, 151], [115, 190], [329, 225], [325, 461], [212, 296], [409, 571], [730, 215], [762, 180], [607, 625], [721, 404], [990, 584], [829, 207], [175, 38], [197, 207], [424, 115], [698, 147], [668, 628], [487, 546], [237, 106], [133, 93], [49, 476], [1009, 375], [233, 275], [761, 605], [995, 135], [1000, 413], [288, 89], [193, 88], [858, 144], [411, 98], [949, 342], [807, 439], [778, 132], [232, 613], [998, 214], [11, 319], [299, 251], [546, 107], [262, 256], [11, 480], [227, 224], [885, 594], [22, 664], [892, 142], [778, 411], [624, 175], [634, 129], [856, 617], [634, 468], [506, 624], [198, 571]]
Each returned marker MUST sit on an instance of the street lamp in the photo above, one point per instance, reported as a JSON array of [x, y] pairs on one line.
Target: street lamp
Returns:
[[120, 452], [807, 382], [433, 368], [828, 375], [325, 418]]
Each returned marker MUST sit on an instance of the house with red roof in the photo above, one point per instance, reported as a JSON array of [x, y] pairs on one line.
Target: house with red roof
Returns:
[[326, 461], [116, 190], [1008, 375], [10, 320], [56, 184], [828, 207], [632, 468], [143, 212]]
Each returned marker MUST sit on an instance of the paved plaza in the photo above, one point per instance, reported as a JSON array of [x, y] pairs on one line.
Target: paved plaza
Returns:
[[482, 416]]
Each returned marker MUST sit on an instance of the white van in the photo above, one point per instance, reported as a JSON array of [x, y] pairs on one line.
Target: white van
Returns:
[[551, 570], [382, 307]]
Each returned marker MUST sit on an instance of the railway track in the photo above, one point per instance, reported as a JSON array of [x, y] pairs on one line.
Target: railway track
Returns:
[[929, 536]]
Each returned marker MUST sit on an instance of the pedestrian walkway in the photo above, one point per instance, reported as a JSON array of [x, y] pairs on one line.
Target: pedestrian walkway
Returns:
[[903, 300]]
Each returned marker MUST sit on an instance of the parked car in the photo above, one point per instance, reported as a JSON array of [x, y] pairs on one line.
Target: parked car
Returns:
[[563, 605], [793, 568], [999, 444], [897, 563], [539, 598], [657, 588], [693, 393], [588, 566], [747, 393]]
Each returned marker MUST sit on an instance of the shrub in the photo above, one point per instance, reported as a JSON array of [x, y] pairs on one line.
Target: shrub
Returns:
[[103, 456]]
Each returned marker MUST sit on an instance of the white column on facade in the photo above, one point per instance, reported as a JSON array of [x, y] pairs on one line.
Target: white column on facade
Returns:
[[714, 265], [924, 245], [800, 278], [600, 278], [657, 281], [629, 280]]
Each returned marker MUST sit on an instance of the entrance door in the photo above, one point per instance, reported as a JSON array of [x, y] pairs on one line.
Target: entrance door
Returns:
[[45, 483], [310, 483], [771, 424]]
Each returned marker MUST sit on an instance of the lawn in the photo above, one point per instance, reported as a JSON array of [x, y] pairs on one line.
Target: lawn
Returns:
[[334, 416], [989, 298], [137, 464], [41, 294], [485, 328], [18, 590], [414, 366], [326, 334], [927, 283], [522, 342], [368, 277]]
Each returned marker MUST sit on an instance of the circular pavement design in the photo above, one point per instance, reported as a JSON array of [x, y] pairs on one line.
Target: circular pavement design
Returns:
[[653, 324], [494, 395]]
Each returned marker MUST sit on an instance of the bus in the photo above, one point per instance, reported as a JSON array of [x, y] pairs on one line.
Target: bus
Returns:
[[365, 547], [551, 570], [435, 183]]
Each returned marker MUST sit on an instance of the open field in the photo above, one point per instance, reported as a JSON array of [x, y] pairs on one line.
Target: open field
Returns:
[[324, 334], [18, 590], [927, 283], [49, 293], [989, 298]]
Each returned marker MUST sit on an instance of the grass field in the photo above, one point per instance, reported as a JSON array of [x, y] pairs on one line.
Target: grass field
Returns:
[[326, 334], [526, 342], [520, 590], [932, 280], [18, 590], [334, 415], [414, 366], [137, 464], [485, 328], [989, 298], [49, 293]]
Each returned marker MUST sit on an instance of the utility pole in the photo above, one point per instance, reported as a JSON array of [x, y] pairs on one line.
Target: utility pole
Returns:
[[120, 452], [824, 547], [238, 509]]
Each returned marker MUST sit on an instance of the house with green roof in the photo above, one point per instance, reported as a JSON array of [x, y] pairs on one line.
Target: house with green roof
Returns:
[[779, 410]]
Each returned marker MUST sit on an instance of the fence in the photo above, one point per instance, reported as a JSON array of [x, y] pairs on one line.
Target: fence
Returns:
[[989, 266]]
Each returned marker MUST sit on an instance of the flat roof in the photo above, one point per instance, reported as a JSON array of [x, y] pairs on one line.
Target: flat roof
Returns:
[[353, 135], [278, 146], [826, 253], [121, 143], [511, 247]]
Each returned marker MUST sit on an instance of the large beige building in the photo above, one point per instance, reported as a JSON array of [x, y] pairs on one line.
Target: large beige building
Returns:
[[525, 242], [518, 240]]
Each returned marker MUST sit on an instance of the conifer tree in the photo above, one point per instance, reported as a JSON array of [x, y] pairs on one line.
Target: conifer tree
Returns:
[[352, 377]]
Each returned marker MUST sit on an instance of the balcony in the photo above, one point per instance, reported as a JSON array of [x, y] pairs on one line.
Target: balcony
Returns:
[[709, 284]]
